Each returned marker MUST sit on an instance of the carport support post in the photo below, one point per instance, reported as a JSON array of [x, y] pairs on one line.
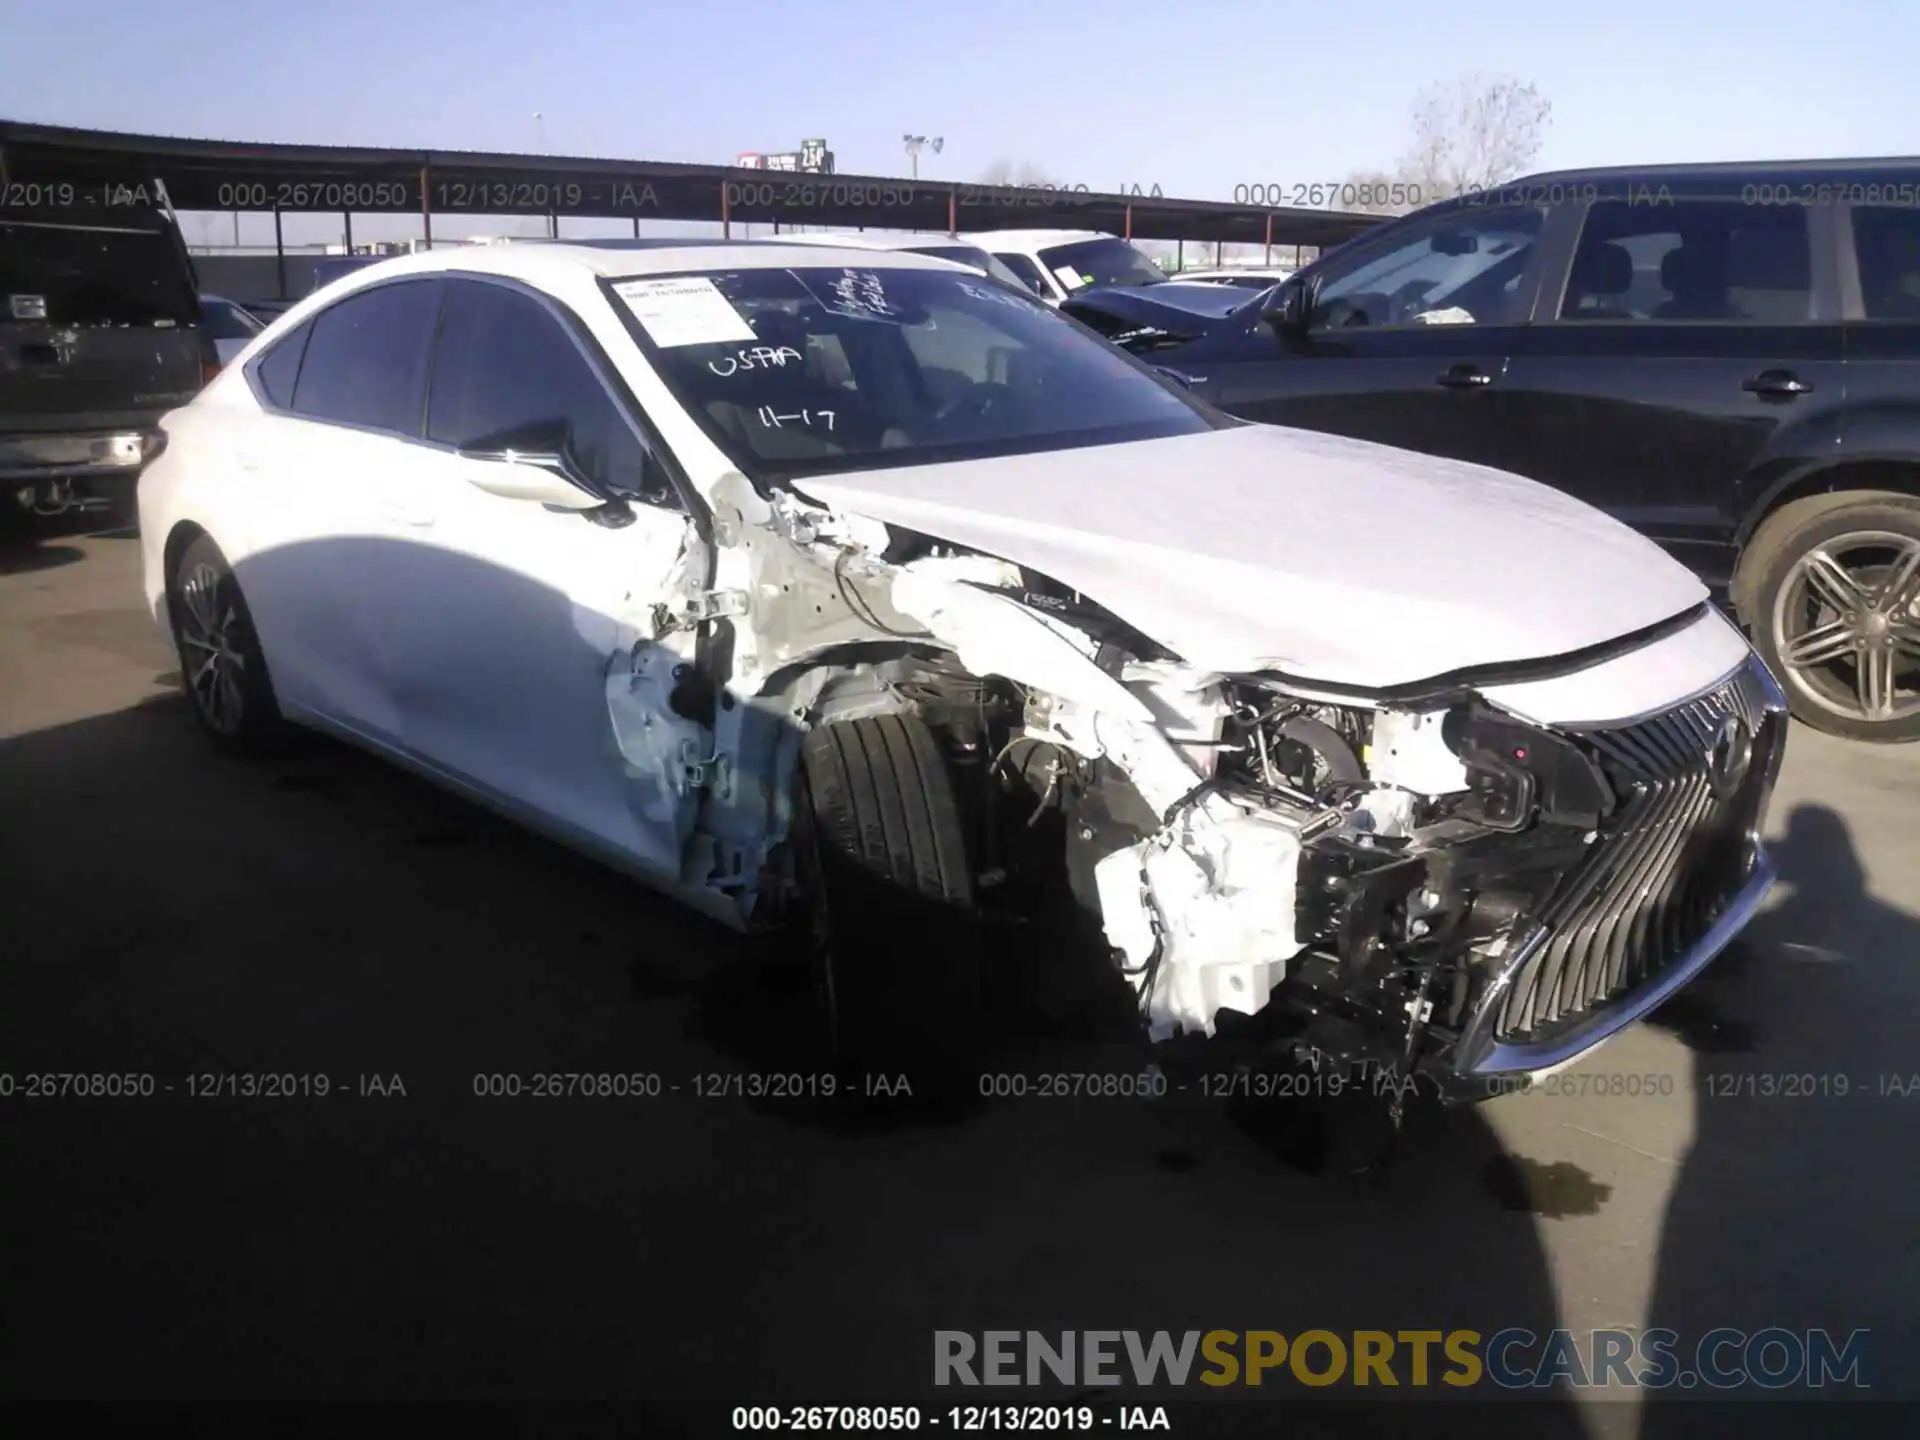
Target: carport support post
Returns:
[[953, 213], [347, 215], [1129, 234], [426, 208], [726, 214], [279, 255], [1179, 256], [636, 227], [1269, 237]]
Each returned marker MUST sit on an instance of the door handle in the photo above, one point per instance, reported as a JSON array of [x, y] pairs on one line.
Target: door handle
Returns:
[[1776, 382], [1463, 377]]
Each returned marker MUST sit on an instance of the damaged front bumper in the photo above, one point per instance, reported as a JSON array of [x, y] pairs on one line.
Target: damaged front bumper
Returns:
[[1225, 911]]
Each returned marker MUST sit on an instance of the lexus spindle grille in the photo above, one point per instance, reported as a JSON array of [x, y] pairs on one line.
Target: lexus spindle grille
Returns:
[[1691, 783]]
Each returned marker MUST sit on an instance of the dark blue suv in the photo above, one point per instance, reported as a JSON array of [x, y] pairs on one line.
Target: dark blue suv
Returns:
[[1726, 357]]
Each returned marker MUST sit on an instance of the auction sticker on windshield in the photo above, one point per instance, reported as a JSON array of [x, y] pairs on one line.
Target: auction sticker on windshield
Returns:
[[687, 311]]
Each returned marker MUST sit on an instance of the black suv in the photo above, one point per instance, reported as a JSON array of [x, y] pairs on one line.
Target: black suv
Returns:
[[1726, 357], [100, 335]]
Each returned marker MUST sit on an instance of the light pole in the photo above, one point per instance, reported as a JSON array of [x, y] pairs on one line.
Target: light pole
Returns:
[[915, 143]]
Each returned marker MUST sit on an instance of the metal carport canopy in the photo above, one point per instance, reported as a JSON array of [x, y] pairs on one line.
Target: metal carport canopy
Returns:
[[105, 165]]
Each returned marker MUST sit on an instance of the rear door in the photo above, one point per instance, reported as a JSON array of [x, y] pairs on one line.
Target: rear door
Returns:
[[1408, 340], [1695, 342], [99, 324], [342, 498]]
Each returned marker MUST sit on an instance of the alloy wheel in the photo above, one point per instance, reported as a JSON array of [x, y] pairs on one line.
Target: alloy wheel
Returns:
[[1846, 625], [210, 647]]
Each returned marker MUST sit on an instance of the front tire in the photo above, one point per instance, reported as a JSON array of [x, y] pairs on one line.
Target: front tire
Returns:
[[891, 926], [1835, 612], [221, 664]]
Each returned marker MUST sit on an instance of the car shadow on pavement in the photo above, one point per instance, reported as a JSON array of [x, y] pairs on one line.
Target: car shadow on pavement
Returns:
[[179, 913], [1803, 1167]]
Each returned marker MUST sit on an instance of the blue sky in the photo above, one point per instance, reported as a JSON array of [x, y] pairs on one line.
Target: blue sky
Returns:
[[1197, 96]]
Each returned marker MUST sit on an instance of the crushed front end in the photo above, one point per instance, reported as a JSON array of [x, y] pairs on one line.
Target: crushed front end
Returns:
[[1450, 892]]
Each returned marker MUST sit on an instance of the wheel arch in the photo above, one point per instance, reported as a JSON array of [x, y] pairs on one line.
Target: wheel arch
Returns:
[[183, 534], [1818, 487]]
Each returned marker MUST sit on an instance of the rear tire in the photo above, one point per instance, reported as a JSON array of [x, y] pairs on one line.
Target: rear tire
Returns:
[[894, 937], [1834, 606], [221, 664]]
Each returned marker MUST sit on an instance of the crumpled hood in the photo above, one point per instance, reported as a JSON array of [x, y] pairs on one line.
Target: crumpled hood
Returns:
[[1264, 548]]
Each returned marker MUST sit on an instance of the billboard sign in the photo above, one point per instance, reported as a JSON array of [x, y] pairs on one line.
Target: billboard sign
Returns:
[[812, 158]]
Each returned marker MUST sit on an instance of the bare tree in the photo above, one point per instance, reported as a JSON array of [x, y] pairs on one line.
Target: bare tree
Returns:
[[1377, 192], [1474, 133]]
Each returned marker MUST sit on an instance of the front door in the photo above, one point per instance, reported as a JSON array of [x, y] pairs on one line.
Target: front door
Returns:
[[1407, 341], [524, 663]]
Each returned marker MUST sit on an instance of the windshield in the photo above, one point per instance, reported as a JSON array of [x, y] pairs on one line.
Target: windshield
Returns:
[[93, 275], [1100, 262], [807, 371]]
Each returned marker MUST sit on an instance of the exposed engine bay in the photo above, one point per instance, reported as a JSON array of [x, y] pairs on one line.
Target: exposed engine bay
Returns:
[[1353, 872]]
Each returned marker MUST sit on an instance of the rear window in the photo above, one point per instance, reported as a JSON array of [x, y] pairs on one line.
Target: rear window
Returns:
[[94, 275]]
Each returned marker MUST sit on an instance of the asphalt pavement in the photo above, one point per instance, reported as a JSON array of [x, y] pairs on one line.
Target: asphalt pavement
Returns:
[[169, 913]]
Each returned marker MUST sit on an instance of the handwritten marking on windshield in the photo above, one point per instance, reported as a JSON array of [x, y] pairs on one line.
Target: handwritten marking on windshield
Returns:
[[998, 297], [775, 421], [758, 357], [861, 293]]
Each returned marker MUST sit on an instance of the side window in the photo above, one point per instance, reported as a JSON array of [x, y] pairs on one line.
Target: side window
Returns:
[[1028, 272], [1463, 268], [1886, 241], [366, 361], [276, 371], [1715, 260], [508, 373]]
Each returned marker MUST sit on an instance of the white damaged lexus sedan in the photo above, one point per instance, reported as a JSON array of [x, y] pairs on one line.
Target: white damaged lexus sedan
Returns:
[[854, 596]]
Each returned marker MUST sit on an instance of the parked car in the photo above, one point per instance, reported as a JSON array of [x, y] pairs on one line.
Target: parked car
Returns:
[[1054, 264], [1246, 276], [961, 252], [100, 335], [266, 311], [231, 325], [1726, 357], [846, 591]]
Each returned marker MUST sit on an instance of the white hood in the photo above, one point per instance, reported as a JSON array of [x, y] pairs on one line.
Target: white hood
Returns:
[[1257, 548]]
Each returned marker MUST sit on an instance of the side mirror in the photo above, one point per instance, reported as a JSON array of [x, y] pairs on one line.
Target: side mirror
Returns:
[[1290, 308], [540, 476]]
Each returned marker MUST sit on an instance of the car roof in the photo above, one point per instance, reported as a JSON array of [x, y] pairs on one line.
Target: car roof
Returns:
[[1715, 176], [1026, 240], [860, 240], [538, 261]]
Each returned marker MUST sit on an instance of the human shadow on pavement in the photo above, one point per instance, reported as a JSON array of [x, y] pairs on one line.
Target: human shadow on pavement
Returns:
[[1806, 1156]]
